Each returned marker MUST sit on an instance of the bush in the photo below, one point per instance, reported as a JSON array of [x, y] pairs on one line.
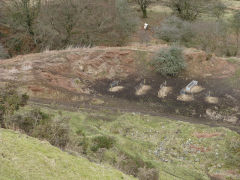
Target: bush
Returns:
[[10, 101], [174, 29], [218, 9], [236, 28], [43, 126], [211, 36], [186, 9], [148, 174], [169, 61], [3, 53], [102, 142]]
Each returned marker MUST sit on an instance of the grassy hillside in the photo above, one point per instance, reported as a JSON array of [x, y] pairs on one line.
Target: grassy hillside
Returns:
[[26, 158], [177, 150]]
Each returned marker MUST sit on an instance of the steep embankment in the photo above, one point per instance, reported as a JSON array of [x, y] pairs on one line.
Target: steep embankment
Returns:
[[153, 147], [57, 74], [83, 76], [23, 157], [80, 78]]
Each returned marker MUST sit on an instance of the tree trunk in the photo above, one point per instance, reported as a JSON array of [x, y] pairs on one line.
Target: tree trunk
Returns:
[[2, 125], [237, 43], [144, 11]]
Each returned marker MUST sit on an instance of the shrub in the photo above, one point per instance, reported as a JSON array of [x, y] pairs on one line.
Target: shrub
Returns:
[[169, 61], [102, 142], [126, 22], [148, 174], [10, 101], [211, 36], [186, 9], [218, 9], [42, 125], [236, 28], [3, 53], [174, 29]]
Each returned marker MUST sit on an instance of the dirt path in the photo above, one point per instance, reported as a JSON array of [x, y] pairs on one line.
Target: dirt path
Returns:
[[129, 107]]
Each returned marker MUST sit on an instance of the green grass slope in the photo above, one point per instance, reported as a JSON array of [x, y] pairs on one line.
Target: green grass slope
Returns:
[[26, 158], [179, 150]]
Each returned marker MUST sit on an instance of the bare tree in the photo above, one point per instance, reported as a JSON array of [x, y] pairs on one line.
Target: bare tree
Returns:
[[22, 14], [218, 9], [55, 24], [236, 28], [143, 5], [186, 9], [3, 52], [64, 16], [87, 22], [21, 18]]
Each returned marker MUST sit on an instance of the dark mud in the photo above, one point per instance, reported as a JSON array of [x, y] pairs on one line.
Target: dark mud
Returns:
[[228, 97], [120, 106]]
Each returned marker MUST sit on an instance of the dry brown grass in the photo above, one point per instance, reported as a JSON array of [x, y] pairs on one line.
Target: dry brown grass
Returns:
[[206, 135]]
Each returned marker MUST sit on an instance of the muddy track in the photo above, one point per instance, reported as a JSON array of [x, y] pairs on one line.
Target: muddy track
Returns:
[[127, 102], [87, 107]]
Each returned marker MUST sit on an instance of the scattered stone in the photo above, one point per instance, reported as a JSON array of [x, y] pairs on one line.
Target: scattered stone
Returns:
[[26, 67], [230, 97], [231, 119], [214, 115]]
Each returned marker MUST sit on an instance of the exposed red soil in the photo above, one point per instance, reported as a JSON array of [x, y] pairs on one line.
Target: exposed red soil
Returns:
[[217, 177], [206, 135], [63, 68], [35, 88], [4, 29], [72, 72], [199, 149], [204, 65]]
